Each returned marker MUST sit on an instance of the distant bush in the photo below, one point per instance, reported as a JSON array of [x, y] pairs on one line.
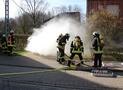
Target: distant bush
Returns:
[[116, 53], [21, 41]]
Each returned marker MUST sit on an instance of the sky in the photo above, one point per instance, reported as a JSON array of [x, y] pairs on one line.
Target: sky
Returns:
[[14, 10]]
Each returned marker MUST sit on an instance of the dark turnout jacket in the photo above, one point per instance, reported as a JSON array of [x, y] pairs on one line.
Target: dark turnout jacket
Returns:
[[61, 42], [96, 44]]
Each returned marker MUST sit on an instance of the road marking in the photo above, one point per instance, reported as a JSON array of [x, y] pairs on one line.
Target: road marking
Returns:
[[31, 72]]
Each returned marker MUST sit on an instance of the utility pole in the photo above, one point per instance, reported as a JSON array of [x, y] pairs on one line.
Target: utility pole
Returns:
[[7, 17]]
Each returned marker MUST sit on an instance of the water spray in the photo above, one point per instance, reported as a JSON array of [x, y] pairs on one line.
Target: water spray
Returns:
[[43, 40]]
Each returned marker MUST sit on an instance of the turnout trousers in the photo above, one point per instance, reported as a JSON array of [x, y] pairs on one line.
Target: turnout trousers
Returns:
[[79, 54], [61, 55], [97, 60]]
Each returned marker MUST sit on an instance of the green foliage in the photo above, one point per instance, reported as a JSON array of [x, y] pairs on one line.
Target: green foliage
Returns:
[[22, 52]]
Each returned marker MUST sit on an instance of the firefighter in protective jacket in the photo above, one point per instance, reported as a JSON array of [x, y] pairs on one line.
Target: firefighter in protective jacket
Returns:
[[11, 42], [77, 48], [97, 45], [62, 39], [4, 43]]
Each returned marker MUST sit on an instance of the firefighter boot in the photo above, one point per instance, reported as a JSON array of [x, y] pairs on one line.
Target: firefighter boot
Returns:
[[82, 62], [69, 63]]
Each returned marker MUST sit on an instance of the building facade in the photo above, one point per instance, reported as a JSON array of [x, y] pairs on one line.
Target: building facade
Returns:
[[113, 6]]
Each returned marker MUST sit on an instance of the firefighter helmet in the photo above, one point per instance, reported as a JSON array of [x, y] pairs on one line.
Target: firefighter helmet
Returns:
[[67, 36], [12, 31], [4, 35], [96, 34], [77, 37]]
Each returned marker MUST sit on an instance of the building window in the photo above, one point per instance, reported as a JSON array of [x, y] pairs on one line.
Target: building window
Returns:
[[113, 9], [100, 7]]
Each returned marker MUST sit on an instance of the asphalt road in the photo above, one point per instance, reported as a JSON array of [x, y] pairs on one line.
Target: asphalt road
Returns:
[[33, 72]]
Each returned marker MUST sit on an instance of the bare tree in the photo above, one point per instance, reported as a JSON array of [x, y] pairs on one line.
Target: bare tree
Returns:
[[35, 9], [23, 24]]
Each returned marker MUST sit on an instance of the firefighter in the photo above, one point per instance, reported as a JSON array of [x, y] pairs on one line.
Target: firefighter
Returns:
[[97, 45], [11, 42], [62, 39], [4, 43], [59, 37], [0, 43], [77, 49]]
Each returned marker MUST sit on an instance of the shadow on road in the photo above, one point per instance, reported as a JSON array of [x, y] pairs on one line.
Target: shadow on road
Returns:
[[46, 79]]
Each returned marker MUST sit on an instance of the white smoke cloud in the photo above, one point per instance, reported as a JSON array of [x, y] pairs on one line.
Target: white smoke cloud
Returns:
[[43, 40]]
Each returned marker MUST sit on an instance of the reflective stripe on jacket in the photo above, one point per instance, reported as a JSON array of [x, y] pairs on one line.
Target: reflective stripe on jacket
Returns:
[[98, 51], [77, 46], [79, 50], [59, 46], [61, 57]]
